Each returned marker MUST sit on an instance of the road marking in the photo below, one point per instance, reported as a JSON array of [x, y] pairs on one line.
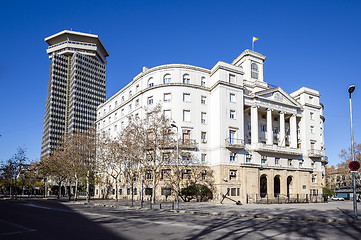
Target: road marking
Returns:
[[23, 229]]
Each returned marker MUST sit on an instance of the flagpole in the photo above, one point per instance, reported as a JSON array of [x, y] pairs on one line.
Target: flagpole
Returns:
[[252, 45]]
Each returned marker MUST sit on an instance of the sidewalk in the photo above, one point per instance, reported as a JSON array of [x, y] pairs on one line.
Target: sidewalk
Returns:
[[333, 211]]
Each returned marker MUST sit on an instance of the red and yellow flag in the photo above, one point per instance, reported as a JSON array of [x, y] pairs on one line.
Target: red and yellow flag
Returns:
[[255, 39]]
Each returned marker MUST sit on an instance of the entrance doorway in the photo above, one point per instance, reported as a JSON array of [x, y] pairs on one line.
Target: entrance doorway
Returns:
[[263, 186], [277, 185]]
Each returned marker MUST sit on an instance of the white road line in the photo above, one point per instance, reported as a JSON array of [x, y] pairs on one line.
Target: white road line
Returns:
[[23, 229]]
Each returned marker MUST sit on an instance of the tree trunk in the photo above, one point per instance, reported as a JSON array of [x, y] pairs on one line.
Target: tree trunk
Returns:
[[87, 186], [132, 184], [59, 189], [153, 189], [116, 189], [76, 188]]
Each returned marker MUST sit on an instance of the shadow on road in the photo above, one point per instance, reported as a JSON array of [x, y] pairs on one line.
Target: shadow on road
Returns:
[[39, 219]]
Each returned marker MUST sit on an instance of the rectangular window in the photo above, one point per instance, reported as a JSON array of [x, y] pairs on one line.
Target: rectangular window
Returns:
[[148, 191], [166, 191], [186, 115], [137, 102], [263, 159], [167, 97], [122, 112], [150, 100], [263, 128], [203, 157], [232, 157], [232, 97], [130, 107], [248, 158], [277, 161], [275, 130], [249, 126], [148, 175], [168, 113], [311, 116], [203, 99], [234, 192], [166, 173], [232, 114], [204, 174], [232, 174], [301, 164], [312, 128], [314, 178], [203, 81], [204, 137], [203, 118], [186, 174], [232, 78], [289, 162], [232, 135], [186, 97]]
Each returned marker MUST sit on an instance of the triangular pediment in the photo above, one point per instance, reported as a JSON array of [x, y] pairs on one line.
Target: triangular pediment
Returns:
[[277, 94]]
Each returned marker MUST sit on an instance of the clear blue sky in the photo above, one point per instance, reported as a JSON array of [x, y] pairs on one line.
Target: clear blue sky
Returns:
[[307, 43]]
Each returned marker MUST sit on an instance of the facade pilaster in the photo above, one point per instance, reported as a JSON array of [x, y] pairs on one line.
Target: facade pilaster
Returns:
[[282, 140], [269, 127], [254, 125], [293, 131]]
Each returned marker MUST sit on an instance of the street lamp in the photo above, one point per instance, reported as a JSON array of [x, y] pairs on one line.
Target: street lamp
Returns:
[[350, 90], [177, 207]]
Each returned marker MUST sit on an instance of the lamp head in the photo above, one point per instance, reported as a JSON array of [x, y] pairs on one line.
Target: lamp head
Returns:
[[351, 89], [173, 125]]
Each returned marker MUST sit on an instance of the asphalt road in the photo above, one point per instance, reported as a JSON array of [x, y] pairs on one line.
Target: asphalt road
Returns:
[[49, 219]]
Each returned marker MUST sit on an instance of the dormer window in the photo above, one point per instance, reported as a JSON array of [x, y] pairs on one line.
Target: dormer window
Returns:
[[167, 79], [186, 79], [254, 71], [150, 82]]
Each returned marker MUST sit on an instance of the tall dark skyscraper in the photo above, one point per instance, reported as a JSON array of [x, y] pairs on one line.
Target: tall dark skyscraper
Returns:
[[77, 85]]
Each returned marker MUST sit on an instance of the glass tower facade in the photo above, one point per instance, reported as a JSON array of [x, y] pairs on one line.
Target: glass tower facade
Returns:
[[77, 85]]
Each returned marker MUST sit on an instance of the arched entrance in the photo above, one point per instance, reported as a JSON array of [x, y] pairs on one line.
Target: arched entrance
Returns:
[[289, 185], [263, 186], [277, 185]]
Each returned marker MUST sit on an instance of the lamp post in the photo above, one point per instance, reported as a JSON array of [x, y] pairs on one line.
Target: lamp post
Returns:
[[177, 206], [350, 90]]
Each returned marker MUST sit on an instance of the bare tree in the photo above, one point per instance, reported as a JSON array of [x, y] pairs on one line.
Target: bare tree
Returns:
[[110, 158], [156, 140]]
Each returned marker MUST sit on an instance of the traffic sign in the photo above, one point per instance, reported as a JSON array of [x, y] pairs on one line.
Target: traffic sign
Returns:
[[354, 165]]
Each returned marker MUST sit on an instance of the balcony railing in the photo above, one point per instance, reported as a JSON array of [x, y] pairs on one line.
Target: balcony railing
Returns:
[[324, 159], [315, 153], [234, 143], [261, 147], [188, 143]]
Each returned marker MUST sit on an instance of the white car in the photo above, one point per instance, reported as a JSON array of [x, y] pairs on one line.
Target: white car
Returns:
[[336, 198]]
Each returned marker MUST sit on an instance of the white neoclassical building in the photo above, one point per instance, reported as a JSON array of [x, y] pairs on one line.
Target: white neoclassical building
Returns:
[[258, 140]]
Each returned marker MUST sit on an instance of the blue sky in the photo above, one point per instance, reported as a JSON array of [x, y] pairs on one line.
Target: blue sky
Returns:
[[307, 43]]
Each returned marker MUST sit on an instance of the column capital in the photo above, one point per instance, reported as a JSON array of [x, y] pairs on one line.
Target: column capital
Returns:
[[270, 109]]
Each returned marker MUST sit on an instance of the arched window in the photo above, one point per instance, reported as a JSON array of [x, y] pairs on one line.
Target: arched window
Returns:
[[254, 71], [186, 79], [150, 82], [203, 81], [167, 79]]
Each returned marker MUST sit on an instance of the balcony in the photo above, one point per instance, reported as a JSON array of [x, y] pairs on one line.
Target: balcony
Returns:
[[315, 153], [234, 143], [324, 159], [188, 144], [261, 147]]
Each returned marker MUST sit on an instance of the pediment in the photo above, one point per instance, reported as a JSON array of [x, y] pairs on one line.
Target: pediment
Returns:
[[277, 95]]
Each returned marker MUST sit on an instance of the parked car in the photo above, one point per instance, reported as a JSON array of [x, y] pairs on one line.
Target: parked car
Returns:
[[336, 198]]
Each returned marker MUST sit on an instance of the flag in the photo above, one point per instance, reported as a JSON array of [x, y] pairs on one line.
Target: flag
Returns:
[[255, 39]]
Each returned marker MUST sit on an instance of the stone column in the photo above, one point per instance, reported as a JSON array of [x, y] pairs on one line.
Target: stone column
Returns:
[[282, 140], [293, 131], [269, 127], [254, 125]]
